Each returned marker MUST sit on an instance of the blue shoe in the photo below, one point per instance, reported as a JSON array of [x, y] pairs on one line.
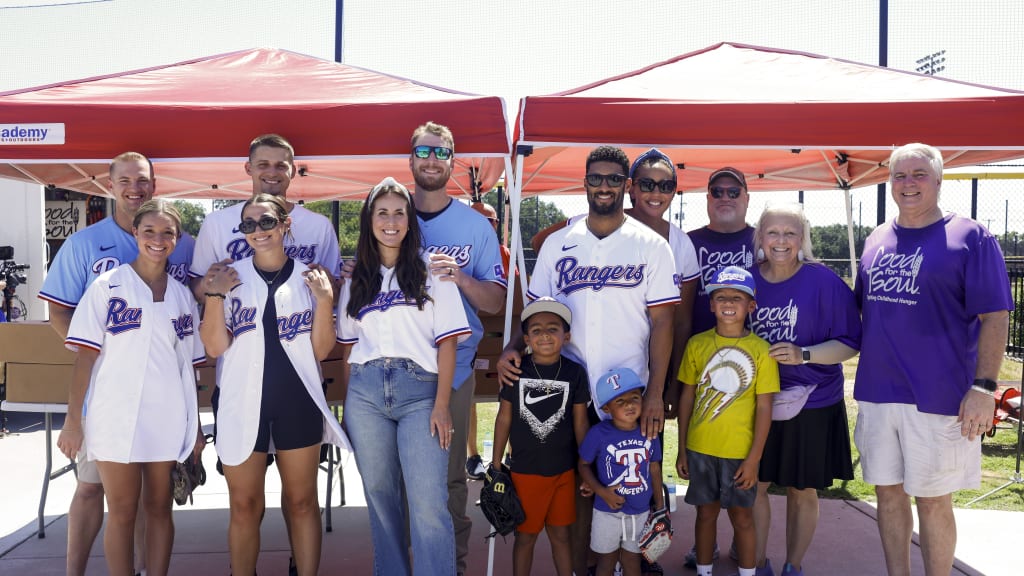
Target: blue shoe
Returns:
[[787, 568], [690, 560], [766, 570]]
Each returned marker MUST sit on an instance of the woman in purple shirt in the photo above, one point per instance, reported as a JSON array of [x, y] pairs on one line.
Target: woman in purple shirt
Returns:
[[810, 318]]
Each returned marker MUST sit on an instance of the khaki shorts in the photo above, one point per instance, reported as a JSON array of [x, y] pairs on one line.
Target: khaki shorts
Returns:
[[925, 452], [86, 470]]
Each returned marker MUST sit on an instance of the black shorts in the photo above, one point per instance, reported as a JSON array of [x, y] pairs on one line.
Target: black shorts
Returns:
[[809, 451], [711, 480], [289, 416]]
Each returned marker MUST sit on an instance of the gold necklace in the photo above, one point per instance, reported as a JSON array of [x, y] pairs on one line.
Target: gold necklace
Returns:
[[260, 272], [547, 383]]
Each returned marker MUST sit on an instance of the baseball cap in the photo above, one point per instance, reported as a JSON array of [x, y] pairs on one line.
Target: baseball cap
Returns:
[[653, 153], [615, 383], [733, 277], [486, 210], [728, 171], [546, 304]]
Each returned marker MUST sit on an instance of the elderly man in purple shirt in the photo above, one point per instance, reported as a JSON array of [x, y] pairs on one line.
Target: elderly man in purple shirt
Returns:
[[935, 301]]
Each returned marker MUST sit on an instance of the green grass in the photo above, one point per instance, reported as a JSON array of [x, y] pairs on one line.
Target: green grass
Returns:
[[998, 454]]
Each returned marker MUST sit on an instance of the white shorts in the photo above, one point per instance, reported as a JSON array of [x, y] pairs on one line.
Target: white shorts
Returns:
[[610, 531], [925, 452]]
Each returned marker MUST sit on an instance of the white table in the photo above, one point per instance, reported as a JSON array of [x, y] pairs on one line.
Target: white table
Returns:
[[48, 410]]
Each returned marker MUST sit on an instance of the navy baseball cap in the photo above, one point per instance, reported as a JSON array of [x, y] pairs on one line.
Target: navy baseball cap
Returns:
[[615, 383], [733, 277]]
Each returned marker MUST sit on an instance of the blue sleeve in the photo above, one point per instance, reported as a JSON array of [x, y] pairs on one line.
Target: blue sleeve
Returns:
[[487, 266], [67, 277]]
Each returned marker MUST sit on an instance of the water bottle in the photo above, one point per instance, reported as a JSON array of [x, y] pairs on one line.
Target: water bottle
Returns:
[[671, 493], [488, 448]]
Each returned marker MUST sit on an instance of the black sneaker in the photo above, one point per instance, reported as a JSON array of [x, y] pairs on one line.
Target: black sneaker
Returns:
[[475, 467], [293, 570]]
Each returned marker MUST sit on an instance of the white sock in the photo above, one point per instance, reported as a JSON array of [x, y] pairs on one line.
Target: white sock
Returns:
[[704, 569], [747, 571]]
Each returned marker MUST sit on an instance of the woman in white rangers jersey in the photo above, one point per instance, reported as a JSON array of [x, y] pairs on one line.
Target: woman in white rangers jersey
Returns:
[[269, 317], [133, 331], [404, 327]]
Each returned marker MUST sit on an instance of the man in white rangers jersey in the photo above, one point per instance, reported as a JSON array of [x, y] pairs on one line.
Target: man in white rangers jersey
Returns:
[[85, 255], [463, 250], [271, 166]]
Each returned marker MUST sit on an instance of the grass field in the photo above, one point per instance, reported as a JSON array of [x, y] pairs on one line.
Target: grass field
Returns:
[[998, 460]]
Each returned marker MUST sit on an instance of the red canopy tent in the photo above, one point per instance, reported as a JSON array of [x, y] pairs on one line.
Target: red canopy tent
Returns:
[[194, 119]]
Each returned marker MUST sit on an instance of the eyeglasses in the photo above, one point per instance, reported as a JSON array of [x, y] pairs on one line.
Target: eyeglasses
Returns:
[[248, 226], [649, 185], [440, 152], [613, 180], [733, 191]]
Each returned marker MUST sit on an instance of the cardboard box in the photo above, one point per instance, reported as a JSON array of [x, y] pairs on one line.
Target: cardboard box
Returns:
[[38, 383], [206, 381], [32, 343], [487, 384], [335, 374]]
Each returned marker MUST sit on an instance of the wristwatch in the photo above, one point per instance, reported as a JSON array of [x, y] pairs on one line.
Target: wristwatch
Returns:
[[987, 384], [806, 353]]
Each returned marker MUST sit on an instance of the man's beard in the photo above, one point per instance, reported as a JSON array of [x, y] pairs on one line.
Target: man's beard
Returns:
[[431, 181], [605, 209]]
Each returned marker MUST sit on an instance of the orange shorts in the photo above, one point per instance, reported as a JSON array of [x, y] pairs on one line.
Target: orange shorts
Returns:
[[547, 500]]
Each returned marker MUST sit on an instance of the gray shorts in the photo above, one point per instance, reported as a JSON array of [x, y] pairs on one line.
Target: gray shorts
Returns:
[[610, 531], [711, 481]]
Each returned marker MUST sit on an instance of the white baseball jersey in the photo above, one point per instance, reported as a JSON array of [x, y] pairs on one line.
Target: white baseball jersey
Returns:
[[608, 284], [96, 249], [464, 234], [142, 391], [241, 378], [393, 327], [683, 252], [312, 239]]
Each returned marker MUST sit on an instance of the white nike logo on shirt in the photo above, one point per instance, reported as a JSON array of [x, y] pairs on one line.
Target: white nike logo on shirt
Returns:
[[534, 399]]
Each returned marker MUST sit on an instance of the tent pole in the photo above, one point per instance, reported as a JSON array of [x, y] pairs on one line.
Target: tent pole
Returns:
[[849, 232]]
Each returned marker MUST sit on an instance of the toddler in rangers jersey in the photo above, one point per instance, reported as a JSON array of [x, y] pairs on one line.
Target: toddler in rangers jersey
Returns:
[[628, 466], [725, 411], [545, 415]]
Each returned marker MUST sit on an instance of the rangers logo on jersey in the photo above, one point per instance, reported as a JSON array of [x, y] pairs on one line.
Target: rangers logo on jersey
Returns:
[[243, 319], [462, 254], [238, 249], [182, 326], [121, 318], [573, 277], [385, 300], [101, 265], [288, 327], [632, 454]]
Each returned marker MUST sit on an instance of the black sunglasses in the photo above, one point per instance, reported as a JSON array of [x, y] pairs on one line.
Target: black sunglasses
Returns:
[[440, 152], [649, 185], [614, 180], [733, 191], [248, 226]]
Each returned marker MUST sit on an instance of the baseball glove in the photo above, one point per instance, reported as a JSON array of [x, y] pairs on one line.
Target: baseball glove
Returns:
[[185, 476], [656, 535], [499, 503]]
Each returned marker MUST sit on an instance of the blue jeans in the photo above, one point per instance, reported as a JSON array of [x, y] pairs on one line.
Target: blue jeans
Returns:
[[387, 416]]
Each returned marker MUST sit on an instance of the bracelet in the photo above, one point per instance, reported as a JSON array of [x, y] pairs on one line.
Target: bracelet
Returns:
[[984, 391], [215, 295]]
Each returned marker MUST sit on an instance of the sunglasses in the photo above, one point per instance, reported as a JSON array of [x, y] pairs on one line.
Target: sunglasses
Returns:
[[614, 180], [648, 185], [265, 223], [440, 152], [733, 191]]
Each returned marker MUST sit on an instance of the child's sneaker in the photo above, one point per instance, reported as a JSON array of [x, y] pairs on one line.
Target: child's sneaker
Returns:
[[690, 560], [475, 467], [787, 569], [766, 570]]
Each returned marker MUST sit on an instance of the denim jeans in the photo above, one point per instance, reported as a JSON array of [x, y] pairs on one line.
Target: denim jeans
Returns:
[[387, 416]]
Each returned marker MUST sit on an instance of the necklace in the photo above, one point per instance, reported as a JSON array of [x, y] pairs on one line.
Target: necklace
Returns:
[[721, 349], [262, 275], [547, 383]]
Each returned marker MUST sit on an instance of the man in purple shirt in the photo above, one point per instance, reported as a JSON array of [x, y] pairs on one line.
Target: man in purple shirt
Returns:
[[935, 301]]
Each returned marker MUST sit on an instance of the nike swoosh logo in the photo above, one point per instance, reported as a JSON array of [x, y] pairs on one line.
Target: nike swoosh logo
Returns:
[[115, 285], [105, 248], [567, 248], [235, 230], [534, 399]]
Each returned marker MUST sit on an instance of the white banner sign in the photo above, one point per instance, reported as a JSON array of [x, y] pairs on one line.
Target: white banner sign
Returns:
[[64, 218], [31, 134]]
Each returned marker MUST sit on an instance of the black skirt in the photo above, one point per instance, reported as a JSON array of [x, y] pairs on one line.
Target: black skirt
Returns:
[[811, 450]]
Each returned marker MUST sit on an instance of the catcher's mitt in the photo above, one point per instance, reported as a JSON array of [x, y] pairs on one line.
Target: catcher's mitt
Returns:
[[656, 535], [185, 476], [499, 502]]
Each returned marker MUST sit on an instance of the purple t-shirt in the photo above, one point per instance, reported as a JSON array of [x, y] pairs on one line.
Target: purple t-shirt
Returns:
[[623, 458], [716, 250], [920, 291], [811, 307]]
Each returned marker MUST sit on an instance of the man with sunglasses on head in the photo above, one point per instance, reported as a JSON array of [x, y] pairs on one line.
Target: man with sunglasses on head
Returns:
[[616, 276], [312, 239], [463, 249]]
